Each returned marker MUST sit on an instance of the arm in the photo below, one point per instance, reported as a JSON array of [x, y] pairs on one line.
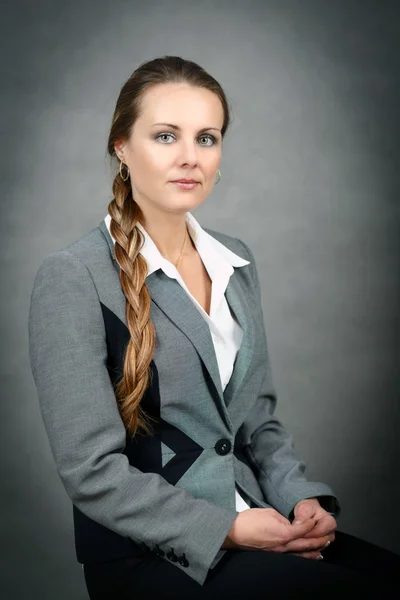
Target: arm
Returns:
[[68, 354], [270, 447]]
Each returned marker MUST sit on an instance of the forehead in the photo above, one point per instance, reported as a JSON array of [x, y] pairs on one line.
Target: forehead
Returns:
[[181, 104]]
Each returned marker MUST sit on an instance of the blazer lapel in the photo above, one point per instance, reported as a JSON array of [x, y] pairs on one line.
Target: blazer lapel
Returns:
[[236, 296], [172, 299], [169, 296]]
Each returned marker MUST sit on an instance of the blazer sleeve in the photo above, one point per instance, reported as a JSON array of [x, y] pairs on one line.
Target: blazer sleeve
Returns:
[[279, 471], [68, 356]]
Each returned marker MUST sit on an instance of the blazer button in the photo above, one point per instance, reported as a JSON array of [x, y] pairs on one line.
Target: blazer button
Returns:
[[172, 556], [223, 446], [183, 561], [158, 551]]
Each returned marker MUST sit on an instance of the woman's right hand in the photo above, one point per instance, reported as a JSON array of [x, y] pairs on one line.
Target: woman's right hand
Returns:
[[264, 529]]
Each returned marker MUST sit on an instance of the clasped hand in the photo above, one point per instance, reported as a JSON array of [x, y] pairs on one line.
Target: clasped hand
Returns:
[[268, 530], [319, 537]]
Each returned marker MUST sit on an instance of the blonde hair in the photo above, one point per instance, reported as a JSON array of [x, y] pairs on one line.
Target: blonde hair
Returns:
[[125, 214]]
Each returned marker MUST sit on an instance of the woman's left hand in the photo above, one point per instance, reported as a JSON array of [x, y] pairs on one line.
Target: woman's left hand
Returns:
[[323, 530]]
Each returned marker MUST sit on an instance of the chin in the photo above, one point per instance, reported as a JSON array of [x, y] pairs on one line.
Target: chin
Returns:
[[183, 208], [187, 202]]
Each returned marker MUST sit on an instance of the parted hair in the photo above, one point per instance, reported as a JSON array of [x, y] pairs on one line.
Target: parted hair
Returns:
[[125, 214]]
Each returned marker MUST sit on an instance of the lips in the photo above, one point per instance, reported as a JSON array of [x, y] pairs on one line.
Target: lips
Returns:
[[186, 185], [184, 181]]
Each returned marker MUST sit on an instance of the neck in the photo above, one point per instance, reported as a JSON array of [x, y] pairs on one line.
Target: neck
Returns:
[[167, 232]]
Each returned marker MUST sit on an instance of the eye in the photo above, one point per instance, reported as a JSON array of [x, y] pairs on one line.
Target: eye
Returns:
[[203, 136], [160, 135], [209, 137]]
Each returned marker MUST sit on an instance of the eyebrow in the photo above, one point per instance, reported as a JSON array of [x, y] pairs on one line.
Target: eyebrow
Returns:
[[177, 128]]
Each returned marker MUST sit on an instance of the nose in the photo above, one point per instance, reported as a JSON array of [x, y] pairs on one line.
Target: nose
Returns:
[[188, 152]]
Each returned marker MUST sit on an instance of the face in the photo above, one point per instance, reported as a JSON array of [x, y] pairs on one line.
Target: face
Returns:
[[159, 154]]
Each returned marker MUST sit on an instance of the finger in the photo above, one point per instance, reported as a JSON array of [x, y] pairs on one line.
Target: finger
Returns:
[[323, 527], [313, 555], [299, 529], [307, 545], [318, 532]]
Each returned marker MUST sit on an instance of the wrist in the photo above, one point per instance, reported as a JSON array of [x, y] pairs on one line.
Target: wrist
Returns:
[[229, 542]]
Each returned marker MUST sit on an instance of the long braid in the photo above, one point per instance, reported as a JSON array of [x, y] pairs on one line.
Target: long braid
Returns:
[[124, 214]]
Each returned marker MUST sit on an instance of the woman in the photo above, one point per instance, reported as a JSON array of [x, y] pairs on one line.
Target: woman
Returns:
[[149, 354]]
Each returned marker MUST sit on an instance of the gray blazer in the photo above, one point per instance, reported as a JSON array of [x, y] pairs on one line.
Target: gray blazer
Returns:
[[178, 492]]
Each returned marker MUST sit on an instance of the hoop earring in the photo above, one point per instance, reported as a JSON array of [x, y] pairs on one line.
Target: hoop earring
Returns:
[[120, 172], [219, 177]]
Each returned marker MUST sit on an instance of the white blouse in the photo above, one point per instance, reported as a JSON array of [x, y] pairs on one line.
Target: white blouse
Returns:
[[219, 261]]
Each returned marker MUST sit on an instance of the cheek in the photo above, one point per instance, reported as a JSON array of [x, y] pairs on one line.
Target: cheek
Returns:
[[161, 163], [153, 162], [214, 160], [151, 159], [212, 168]]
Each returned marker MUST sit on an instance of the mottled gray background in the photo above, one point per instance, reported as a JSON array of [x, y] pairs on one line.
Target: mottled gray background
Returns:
[[310, 180]]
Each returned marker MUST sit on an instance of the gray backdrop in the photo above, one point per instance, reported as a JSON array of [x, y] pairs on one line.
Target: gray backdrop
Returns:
[[309, 180]]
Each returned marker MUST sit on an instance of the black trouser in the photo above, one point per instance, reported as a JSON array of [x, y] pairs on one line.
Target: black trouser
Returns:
[[350, 565]]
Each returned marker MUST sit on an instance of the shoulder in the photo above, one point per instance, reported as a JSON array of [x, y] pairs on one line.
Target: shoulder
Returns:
[[85, 255], [236, 245]]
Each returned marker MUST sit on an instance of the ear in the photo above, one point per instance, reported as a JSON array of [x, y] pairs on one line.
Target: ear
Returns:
[[118, 147]]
